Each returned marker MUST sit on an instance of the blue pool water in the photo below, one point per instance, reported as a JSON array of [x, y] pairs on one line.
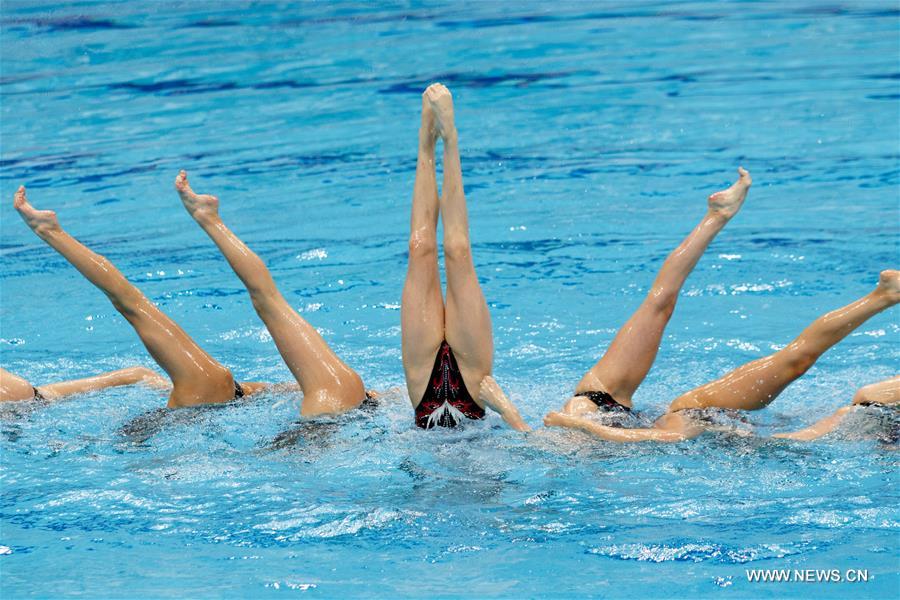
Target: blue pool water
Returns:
[[591, 134]]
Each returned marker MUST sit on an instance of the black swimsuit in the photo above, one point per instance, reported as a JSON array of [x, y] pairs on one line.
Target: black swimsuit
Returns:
[[238, 390], [37, 394], [603, 401], [369, 403], [446, 399]]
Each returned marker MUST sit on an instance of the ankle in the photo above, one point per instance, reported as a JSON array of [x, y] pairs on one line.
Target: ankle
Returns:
[[717, 217], [882, 297], [207, 220], [47, 232]]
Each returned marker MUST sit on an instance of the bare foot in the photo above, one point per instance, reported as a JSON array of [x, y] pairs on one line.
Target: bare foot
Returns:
[[42, 222], [441, 102], [728, 202], [157, 381], [889, 285], [202, 207]]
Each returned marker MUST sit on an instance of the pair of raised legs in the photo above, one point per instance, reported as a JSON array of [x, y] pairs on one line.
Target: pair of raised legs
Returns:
[[755, 385], [463, 322], [750, 387], [197, 378]]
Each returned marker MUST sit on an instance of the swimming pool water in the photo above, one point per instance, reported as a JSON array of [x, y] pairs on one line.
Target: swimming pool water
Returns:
[[591, 134]]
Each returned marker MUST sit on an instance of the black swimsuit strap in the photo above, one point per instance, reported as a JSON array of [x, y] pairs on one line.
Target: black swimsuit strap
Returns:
[[369, 402], [603, 400], [37, 394], [238, 390]]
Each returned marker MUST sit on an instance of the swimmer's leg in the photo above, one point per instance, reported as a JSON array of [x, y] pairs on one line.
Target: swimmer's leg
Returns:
[[671, 427], [819, 428], [884, 392], [422, 306], [197, 378], [329, 385], [632, 352], [129, 376], [467, 321], [13, 388], [757, 383]]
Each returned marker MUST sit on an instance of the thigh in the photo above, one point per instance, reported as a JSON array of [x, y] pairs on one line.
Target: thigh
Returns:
[[194, 373], [883, 392], [306, 353], [13, 387], [629, 357], [421, 323], [749, 387], [468, 326]]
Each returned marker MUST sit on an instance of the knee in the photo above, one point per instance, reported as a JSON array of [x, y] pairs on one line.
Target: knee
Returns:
[[258, 300], [132, 375], [126, 300], [799, 362], [134, 372], [263, 299], [457, 248], [663, 301], [141, 373], [422, 245], [262, 289]]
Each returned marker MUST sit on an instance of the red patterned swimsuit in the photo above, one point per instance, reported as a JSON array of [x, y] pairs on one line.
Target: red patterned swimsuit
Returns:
[[446, 400]]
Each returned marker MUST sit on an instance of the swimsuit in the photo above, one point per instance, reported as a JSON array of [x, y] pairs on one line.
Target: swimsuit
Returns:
[[369, 403], [446, 400], [614, 414], [37, 394], [238, 390], [603, 401]]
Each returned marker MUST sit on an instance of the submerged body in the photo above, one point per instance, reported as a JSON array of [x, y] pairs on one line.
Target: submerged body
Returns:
[[756, 384], [610, 384], [329, 385], [882, 394], [197, 378], [612, 381], [452, 341]]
